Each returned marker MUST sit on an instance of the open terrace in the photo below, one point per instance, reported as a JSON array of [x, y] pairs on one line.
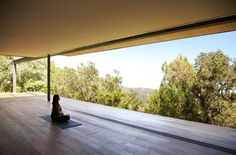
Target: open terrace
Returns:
[[105, 130], [41, 29]]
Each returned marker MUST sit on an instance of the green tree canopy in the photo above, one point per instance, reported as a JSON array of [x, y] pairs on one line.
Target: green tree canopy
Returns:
[[216, 81], [174, 97], [6, 73], [31, 76], [110, 89], [180, 71]]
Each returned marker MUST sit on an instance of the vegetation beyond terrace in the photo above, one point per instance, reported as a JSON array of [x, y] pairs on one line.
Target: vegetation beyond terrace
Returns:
[[202, 92]]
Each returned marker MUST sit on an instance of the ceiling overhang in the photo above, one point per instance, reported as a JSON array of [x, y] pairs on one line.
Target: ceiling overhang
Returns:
[[219, 25], [39, 28]]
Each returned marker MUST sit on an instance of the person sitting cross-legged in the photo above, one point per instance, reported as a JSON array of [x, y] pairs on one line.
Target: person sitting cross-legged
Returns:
[[57, 115]]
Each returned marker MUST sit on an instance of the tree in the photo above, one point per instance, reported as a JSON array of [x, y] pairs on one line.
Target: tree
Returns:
[[130, 101], [172, 100], [6, 73], [110, 90], [56, 80], [31, 76], [81, 84], [175, 98], [180, 72], [154, 103], [216, 80], [87, 82], [64, 81]]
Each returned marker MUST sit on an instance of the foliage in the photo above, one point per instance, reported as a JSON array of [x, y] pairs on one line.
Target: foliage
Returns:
[[180, 72], [216, 80], [175, 97], [130, 101], [85, 84], [6, 73], [202, 92], [154, 103], [31, 76], [172, 100], [63, 81], [142, 94], [110, 90]]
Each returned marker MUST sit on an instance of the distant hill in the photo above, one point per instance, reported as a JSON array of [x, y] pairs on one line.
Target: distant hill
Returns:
[[142, 93]]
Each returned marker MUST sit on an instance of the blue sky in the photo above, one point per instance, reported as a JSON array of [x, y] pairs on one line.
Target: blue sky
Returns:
[[140, 66]]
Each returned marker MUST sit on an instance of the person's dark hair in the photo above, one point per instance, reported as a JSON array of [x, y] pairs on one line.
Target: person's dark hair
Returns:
[[56, 98]]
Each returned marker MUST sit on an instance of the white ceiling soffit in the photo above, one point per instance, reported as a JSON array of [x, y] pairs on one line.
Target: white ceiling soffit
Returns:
[[36, 28]]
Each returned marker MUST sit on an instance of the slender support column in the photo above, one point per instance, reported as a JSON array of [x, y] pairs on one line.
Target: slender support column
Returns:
[[48, 81], [14, 77]]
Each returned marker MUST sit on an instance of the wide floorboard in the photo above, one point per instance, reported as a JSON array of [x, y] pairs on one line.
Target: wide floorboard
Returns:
[[105, 130]]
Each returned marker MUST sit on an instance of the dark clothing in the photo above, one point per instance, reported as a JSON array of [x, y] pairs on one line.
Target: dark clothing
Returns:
[[62, 118], [57, 114]]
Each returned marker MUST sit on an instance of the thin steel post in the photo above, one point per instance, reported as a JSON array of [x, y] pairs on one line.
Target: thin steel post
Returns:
[[14, 77], [48, 80]]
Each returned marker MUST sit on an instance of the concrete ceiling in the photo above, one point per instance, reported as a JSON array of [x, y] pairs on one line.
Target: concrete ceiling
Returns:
[[36, 28]]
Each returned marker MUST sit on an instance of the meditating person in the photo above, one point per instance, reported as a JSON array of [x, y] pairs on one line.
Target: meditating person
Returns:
[[57, 115]]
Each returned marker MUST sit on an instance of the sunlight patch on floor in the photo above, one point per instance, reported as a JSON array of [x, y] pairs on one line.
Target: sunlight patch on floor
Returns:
[[10, 95]]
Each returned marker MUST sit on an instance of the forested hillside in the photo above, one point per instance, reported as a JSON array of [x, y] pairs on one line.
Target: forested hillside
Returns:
[[203, 91], [142, 93]]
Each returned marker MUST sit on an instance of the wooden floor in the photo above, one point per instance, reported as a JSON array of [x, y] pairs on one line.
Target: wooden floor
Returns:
[[105, 130]]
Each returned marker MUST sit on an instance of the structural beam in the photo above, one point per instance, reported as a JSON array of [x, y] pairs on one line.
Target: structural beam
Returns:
[[164, 34], [25, 59], [14, 77], [48, 77]]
